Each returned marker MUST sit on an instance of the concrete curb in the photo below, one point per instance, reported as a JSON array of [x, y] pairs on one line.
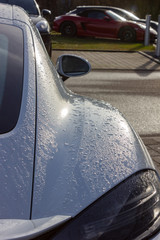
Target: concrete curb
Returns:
[[153, 58]]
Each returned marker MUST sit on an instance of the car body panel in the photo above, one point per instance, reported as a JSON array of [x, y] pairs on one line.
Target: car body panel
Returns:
[[86, 26], [99, 27], [71, 183], [12, 229], [72, 167]]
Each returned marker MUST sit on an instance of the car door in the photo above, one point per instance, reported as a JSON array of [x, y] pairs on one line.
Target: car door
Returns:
[[17, 116], [98, 24]]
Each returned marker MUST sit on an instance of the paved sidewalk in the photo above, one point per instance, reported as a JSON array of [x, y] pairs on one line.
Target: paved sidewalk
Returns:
[[124, 61], [111, 60], [153, 145]]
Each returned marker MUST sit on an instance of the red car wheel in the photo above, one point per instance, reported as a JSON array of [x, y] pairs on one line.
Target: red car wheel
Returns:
[[127, 34], [68, 29]]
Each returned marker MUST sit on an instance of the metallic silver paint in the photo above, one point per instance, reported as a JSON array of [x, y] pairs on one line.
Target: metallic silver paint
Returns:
[[83, 147], [17, 146], [16, 229]]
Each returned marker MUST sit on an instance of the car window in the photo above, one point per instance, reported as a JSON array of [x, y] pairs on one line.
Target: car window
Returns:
[[122, 14], [72, 12], [11, 76], [3, 63], [130, 16], [115, 16], [94, 14], [29, 5]]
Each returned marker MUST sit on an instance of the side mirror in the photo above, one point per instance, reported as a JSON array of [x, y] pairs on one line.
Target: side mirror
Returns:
[[72, 66], [46, 12]]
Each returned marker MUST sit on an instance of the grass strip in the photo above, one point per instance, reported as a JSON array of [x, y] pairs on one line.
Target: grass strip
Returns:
[[89, 43]]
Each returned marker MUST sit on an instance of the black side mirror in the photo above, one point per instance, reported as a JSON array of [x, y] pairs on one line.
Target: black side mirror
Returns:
[[72, 66], [46, 12]]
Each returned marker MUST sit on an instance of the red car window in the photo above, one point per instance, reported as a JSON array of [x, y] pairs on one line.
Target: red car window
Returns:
[[93, 14]]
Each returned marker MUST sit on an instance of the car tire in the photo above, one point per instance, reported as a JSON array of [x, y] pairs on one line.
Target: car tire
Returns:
[[127, 34], [68, 29]]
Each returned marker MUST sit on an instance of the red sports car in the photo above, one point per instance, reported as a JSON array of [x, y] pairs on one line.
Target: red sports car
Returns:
[[101, 23]]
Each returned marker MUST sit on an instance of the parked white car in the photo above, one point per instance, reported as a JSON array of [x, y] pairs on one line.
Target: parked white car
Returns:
[[71, 167], [37, 17]]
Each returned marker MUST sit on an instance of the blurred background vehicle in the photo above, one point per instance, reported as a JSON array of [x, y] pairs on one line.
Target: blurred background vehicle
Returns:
[[121, 12], [38, 18], [99, 22]]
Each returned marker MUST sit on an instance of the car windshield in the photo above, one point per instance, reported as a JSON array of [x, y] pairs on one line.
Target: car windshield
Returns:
[[11, 76], [115, 16], [71, 12], [28, 5], [129, 16]]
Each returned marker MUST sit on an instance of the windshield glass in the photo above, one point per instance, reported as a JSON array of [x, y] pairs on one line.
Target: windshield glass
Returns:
[[130, 16], [115, 16], [29, 6], [11, 76]]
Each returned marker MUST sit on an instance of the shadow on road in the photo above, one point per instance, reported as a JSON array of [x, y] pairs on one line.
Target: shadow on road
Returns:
[[148, 67]]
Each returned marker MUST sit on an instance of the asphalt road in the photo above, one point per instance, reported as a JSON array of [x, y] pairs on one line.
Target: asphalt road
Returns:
[[135, 93]]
